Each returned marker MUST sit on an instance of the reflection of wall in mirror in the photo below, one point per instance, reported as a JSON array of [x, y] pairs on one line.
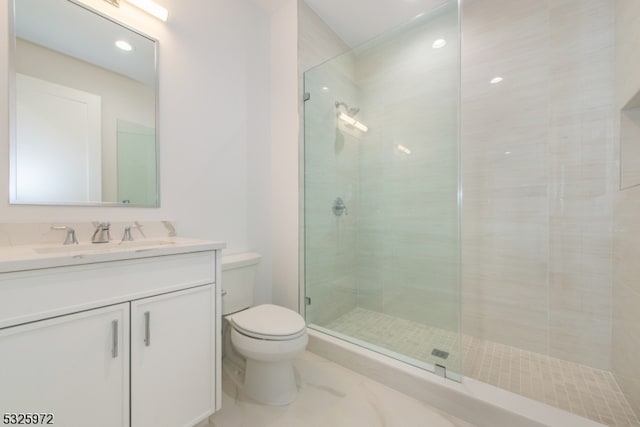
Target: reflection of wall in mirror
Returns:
[[122, 98]]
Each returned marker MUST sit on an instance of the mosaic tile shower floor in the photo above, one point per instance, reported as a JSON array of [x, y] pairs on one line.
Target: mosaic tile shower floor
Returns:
[[585, 391]]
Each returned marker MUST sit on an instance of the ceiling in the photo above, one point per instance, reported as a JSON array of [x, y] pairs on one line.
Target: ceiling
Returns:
[[357, 21], [269, 6], [48, 23]]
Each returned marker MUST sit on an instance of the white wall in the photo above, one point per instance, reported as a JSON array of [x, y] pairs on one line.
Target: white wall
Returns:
[[284, 154], [214, 126]]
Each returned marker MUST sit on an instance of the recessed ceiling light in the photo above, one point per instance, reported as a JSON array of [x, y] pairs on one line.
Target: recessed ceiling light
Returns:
[[325, 89], [496, 80], [439, 43], [124, 45]]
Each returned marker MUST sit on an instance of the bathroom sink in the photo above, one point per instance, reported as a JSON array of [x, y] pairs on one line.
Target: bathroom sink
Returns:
[[101, 247], [54, 254], [136, 243], [64, 249]]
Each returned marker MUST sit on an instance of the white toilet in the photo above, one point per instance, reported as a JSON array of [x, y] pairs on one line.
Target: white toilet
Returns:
[[266, 336]]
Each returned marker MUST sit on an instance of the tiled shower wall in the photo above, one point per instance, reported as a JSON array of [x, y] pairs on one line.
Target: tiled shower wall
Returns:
[[330, 169], [396, 251], [407, 243], [539, 178], [539, 175], [626, 242]]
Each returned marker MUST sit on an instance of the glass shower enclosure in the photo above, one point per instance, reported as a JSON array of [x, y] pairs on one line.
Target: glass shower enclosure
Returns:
[[382, 193]]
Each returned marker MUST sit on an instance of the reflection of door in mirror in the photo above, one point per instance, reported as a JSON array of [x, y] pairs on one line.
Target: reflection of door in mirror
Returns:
[[58, 155], [136, 164]]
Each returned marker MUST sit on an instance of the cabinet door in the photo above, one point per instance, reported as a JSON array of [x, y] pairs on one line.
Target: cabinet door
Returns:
[[171, 358], [75, 367]]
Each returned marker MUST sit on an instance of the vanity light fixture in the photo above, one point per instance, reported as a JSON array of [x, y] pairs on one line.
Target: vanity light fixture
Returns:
[[353, 122], [149, 6], [152, 8]]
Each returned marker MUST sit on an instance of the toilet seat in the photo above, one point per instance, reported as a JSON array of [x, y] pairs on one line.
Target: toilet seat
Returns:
[[269, 322]]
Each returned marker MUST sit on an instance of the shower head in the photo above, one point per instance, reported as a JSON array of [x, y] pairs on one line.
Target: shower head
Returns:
[[348, 115], [351, 111]]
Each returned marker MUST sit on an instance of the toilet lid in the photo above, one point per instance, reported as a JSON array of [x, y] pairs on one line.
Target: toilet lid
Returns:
[[270, 322]]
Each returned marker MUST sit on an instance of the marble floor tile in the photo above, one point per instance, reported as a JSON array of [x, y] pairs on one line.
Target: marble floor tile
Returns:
[[330, 395]]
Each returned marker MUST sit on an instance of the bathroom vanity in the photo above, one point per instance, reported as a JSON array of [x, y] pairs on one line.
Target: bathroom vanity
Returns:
[[110, 335]]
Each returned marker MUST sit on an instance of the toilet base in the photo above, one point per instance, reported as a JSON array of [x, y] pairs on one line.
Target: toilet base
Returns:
[[270, 383]]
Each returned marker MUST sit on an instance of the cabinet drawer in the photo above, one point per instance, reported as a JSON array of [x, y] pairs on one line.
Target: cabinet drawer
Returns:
[[32, 295]]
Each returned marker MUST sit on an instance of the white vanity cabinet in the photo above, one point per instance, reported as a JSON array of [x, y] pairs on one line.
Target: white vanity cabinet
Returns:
[[74, 367], [124, 340], [171, 353]]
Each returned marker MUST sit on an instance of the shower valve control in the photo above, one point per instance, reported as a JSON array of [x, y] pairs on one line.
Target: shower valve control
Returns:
[[339, 207]]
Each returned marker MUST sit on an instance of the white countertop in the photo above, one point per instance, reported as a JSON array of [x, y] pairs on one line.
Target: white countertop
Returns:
[[37, 256]]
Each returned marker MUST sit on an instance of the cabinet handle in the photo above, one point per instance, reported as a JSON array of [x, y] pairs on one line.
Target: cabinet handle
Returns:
[[147, 328], [114, 335]]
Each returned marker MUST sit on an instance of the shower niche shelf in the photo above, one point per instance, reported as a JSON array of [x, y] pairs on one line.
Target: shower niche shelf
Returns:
[[630, 143]]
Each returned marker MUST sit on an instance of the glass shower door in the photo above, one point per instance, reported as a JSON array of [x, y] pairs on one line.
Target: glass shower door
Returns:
[[381, 193]]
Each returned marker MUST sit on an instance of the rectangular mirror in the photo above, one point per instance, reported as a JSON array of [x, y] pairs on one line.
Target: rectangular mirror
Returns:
[[83, 110]]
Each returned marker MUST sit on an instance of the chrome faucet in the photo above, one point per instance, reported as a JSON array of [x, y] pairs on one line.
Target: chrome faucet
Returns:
[[127, 236], [71, 234], [170, 228], [101, 235]]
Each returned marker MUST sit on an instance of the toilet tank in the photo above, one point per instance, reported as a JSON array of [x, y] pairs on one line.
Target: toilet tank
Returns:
[[238, 281]]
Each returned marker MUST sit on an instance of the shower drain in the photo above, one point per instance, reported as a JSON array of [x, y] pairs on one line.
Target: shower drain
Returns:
[[440, 353]]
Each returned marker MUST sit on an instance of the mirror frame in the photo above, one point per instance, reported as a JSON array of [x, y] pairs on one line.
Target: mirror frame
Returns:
[[12, 112]]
